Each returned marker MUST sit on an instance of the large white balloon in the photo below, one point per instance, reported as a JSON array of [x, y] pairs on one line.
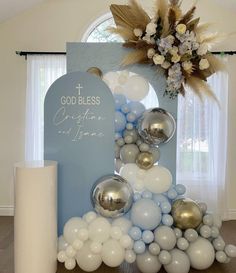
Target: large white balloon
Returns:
[[99, 230], [111, 79], [201, 254], [87, 260], [113, 254], [158, 179], [72, 228], [165, 237], [123, 223], [179, 264], [136, 88], [148, 263], [129, 172]]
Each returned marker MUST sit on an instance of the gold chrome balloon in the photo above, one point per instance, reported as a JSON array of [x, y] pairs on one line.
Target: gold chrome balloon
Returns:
[[186, 213], [95, 71], [145, 160]]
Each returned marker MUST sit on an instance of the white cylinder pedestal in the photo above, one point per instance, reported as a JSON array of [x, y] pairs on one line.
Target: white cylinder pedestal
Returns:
[[35, 222]]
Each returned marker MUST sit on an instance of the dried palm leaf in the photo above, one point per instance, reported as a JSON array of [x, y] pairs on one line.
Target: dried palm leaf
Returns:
[[139, 13], [172, 19], [201, 88], [193, 24], [137, 56], [125, 33], [188, 16]]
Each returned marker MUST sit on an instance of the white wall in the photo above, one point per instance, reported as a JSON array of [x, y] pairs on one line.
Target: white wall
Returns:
[[48, 27]]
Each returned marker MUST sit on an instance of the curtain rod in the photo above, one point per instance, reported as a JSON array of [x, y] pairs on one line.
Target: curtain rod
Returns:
[[25, 53]]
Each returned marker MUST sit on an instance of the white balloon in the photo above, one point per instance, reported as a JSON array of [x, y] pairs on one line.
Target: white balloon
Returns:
[[70, 264], [179, 264], [96, 247], [136, 88], [230, 250], [201, 254], [83, 234], [129, 172], [126, 241], [70, 252], [123, 223], [118, 165], [148, 263], [112, 253], [111, 78], [116, 233], [130, 256], [99, 230], [154, 249], [165, 237], [77, 244], [61, 243], [72, 227], [61, 256], [87, 260], [122, 79], [182, 243], [158, 179], [90, 216], [118, 90]]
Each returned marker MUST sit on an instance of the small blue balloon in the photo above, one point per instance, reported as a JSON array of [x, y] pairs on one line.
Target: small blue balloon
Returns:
[[145, 214], [135, 233], [172, 194], [165, 207], [137, 196], [147, 195], [137, 107], [180, 189], [147, 236], [120, 121], [131, 117], [119, 101], [167, 220], [139, 247], [129, 126], [159, 198], [125, 109]]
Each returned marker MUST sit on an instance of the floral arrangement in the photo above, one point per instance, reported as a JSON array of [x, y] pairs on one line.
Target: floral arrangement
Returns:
[[171, 40]]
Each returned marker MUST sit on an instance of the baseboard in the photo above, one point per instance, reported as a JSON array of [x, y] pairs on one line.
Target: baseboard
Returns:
[[6, 210]]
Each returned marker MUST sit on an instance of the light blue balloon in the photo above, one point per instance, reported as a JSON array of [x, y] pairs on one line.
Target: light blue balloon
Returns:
[[165, 207], [131, 117], [139, 247], [145, 214], [137, 107], [120, 121], [119, 101], [167, 220], [129, 126], [159, 198], [180, 189], [135, 233], [148, 236], [147, 195], [125, 109], [137, 196], [117, 136], [172, 194]]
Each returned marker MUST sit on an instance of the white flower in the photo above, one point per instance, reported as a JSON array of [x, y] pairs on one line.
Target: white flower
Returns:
[[181, 29], [151, 52], [147, 38], [151, 28], [170, 39], [203, 64], [174, 50], [175, 58], [138, 32], [202, 50], [166, 65], [187, 65], [158, 59]]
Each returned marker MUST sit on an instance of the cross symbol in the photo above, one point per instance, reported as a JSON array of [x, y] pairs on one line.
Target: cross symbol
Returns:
[[79, 87]]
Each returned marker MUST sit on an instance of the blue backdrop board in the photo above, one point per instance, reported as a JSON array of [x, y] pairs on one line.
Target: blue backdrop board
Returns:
[[108, 57], [79, 134]]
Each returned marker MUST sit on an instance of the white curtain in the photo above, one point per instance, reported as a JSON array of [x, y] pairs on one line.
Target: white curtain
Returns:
[[42, 71], [202, 146]]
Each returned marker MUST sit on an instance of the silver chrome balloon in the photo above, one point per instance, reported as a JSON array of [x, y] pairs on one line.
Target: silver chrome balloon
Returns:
[[156, 126], [112, 196]]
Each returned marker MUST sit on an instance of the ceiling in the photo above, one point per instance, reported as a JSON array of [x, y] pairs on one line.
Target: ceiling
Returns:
[[9, 8]]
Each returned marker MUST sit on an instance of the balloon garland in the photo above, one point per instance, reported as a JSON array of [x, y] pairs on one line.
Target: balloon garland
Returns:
[[140, 216]]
